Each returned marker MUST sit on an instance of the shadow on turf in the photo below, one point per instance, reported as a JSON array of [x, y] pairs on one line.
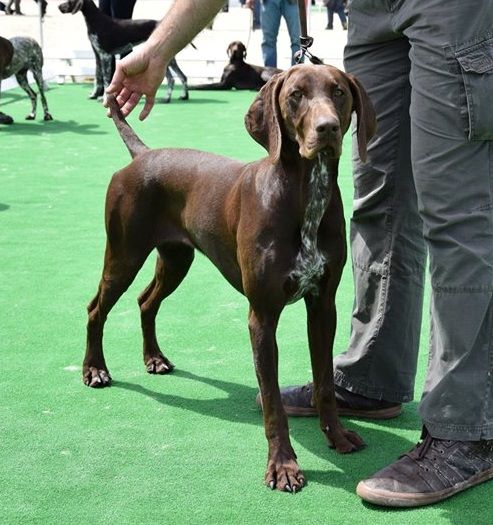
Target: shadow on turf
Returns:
[[383, 445], [4, 207], [53, 127]]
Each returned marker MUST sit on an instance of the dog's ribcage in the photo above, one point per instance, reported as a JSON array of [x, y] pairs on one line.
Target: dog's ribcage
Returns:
[[310, 261]]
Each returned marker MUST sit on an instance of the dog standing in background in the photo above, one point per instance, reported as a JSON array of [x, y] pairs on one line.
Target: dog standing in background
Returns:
[[18, 56], [112, 36]]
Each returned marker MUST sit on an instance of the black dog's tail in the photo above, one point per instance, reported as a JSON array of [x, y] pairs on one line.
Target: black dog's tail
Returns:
[[133, 143]]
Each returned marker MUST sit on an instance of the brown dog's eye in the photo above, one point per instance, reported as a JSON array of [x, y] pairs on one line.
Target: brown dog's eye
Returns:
[[296, 94], [338, 92]]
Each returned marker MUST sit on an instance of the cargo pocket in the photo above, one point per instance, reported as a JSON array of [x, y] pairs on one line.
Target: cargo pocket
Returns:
[[476, 64]]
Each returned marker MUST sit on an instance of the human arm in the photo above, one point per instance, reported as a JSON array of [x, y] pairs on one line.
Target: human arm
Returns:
[[142, 71]]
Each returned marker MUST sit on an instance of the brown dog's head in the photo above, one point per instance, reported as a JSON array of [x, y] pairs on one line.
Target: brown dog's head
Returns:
[[71, 6], [236, 51], [312, 106]]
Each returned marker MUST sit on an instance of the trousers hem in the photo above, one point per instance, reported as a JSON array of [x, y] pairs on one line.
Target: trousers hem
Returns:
[[363, 389], [459, 432]]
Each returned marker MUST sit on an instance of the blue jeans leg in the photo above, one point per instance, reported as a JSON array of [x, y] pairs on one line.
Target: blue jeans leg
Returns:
[[270, 20]]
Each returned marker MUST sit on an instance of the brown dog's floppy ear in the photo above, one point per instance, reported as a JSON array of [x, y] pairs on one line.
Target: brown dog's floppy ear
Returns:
[[367, 120], [263, 118]]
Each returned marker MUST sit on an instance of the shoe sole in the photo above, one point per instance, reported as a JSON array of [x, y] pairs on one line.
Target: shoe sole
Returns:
[[387, 498], [381, 413]]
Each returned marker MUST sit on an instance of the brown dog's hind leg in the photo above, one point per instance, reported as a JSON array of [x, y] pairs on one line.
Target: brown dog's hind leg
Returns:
[[172, 265], [120, 268]]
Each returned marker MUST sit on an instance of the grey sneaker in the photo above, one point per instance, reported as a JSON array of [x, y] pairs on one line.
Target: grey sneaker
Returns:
[[297, 401], [433, 470]]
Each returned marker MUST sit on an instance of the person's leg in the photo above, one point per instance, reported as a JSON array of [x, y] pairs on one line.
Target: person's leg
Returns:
[[330, 18], [122, 8], [452, 158], [387, 246], [342, 14], [270, 20], [452, 151], [291, 15], [256, 15], [105, 6]]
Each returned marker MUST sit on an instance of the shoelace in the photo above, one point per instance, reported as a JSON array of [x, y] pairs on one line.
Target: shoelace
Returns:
[[420, 450]]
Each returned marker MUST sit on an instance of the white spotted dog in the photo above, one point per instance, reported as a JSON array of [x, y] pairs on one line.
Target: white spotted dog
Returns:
[[18, 56], [112, 36]]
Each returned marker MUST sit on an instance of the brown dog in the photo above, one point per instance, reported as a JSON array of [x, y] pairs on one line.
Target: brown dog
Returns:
[[274, 228]]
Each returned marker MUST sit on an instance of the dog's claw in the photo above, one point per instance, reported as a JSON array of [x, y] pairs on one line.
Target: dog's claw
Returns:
[[159, 364], [97, 378], [345, 441], [284, 475]]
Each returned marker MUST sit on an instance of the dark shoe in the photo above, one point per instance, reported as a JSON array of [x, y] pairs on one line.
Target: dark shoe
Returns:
[[432, 471], [297, 401], [329, 27]]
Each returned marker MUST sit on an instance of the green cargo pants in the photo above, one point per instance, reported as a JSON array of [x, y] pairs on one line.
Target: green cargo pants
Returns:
[[427, 188]]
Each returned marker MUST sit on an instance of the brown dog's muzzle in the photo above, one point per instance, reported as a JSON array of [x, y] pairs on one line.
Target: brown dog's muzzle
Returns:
[[320, 133], [316, 128]]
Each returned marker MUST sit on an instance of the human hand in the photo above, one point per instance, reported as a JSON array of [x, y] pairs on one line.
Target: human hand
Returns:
[[139, 73]]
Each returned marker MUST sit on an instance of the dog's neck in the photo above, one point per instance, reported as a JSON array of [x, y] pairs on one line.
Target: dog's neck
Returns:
[[310, 261]]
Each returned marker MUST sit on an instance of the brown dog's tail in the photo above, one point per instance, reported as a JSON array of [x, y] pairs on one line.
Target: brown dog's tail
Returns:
[[133, 143]]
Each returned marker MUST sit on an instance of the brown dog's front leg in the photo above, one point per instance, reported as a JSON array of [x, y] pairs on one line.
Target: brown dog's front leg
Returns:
[[282, 469], [321, 316]]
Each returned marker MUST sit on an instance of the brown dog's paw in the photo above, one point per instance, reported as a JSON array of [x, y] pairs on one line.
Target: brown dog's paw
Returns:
[[284, 476], [344, 441], [158, 364], [96, 377]]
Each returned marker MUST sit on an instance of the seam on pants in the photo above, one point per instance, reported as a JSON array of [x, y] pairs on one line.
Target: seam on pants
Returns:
[[487, 393]]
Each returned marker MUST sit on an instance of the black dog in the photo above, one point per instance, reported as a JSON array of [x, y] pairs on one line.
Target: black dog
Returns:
[[240, 75], [112, 36], [18, 56]]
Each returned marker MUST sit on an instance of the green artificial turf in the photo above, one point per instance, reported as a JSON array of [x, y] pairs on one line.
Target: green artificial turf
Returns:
[[184, 448]]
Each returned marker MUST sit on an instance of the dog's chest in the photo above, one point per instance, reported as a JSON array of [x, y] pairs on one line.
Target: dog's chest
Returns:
[[310, 261]]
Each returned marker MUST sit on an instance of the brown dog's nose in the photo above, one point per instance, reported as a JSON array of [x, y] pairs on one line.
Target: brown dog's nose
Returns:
[[325, 126]]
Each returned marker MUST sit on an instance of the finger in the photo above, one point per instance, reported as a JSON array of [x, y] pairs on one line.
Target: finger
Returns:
[[149, 103], [131, 103], [116, 84], [123, 96]]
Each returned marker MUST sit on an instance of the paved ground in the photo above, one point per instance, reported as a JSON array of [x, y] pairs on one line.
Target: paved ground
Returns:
[[63, 35]]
